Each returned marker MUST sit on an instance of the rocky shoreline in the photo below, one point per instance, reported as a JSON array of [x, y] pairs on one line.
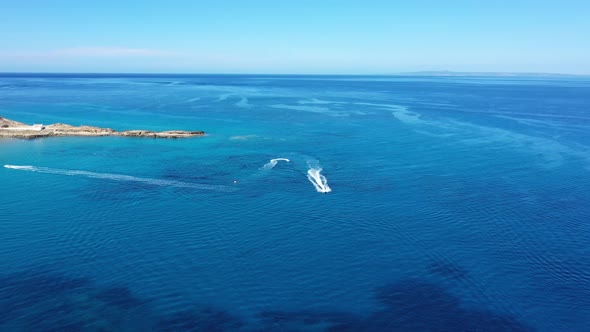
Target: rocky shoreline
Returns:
[[14, 129]]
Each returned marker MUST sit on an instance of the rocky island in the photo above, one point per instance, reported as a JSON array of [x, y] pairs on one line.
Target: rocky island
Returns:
[[14, 129]]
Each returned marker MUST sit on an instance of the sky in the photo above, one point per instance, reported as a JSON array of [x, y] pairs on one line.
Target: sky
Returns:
[[295, 36]]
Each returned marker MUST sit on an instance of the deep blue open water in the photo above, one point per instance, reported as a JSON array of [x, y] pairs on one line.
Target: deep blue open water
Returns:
[[456, 204]]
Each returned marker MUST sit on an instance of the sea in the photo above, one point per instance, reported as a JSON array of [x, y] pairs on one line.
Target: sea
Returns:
[[313, 203]]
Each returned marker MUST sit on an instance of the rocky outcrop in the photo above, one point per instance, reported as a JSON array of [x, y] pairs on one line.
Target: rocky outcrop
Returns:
[[5, 123], [13, 129]]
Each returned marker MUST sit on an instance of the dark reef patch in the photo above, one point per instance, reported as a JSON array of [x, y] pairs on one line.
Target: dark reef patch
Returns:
[[40, 300], [414, 305], [408, 305], [107, 190], [309, 320], [45, 301], [206, 319]]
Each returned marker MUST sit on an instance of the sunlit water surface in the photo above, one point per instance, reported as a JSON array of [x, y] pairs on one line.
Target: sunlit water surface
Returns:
[[402, 203]]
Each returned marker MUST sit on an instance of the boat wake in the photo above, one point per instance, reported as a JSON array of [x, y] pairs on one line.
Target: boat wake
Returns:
[[314, 176], [314, 170], [119, 177], [317, 179], [272, 163]]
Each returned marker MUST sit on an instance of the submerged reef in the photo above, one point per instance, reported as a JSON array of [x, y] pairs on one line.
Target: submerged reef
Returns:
[[406, 305], [42, 300], [14, 129]]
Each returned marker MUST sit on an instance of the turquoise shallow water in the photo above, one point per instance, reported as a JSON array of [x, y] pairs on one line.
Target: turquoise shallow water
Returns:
[[456, 204]]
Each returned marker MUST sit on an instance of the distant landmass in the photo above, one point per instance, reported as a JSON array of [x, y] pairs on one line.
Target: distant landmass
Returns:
[[467, 73], [14, 129]]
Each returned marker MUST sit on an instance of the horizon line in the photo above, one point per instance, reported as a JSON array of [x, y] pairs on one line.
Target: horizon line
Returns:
[[439, 73]]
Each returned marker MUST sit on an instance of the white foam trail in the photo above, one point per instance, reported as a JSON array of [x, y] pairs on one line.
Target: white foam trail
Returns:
[[273, 162], [118, 177], [19, 167], [318, 180]]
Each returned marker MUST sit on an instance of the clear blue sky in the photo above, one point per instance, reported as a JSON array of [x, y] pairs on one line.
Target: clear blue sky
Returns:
[[295, 36]]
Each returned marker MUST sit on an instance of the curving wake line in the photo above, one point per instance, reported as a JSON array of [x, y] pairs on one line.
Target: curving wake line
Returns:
[[318, 180], [119, 177], [273, 162]]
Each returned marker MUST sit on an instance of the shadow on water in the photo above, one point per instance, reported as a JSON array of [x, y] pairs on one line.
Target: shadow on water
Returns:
[[45, 301]]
